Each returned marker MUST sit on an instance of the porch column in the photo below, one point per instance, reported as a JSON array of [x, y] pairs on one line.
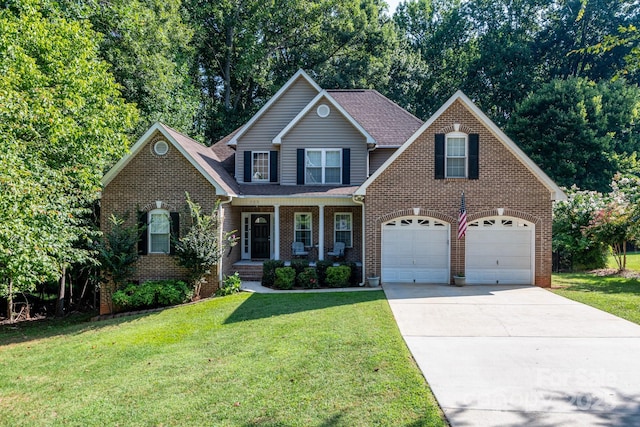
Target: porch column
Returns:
[[321, 233], [276, 232]]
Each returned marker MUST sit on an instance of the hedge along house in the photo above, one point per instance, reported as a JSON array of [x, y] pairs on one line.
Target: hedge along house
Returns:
[[322, 167]]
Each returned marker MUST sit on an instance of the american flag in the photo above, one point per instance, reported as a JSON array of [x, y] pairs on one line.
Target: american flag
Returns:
[[462, 219]]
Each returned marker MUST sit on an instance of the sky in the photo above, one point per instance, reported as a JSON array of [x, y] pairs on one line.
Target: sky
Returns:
[[392, 5]]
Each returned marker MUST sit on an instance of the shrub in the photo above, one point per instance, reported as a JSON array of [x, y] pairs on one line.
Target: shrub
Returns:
[[308, 279], [338, 277], [230, 285], [299, 265], [354, 278], [285, 278], [152, 294], [321, 270], [269, 272]]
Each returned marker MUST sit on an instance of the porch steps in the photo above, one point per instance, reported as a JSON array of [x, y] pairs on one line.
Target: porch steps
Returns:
[[249, 272]]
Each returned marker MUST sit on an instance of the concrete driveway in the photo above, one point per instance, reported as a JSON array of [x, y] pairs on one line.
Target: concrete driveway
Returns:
[[516, 356]]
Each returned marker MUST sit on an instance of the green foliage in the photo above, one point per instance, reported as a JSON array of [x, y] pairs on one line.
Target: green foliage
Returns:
[[152, 294], [230, 285], [117, 252], [269, 272], [338, 277], [321, 269], [285, 278], [354, 276], [308, 278], [201, 249], [570, 127], [299, 265], [575, 249]]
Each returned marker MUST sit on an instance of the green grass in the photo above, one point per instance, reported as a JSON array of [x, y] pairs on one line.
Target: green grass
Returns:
[[633, 261], [334, 359], [617, 295]]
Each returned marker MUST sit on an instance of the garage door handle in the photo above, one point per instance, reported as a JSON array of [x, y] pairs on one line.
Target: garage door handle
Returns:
[[497, 262]]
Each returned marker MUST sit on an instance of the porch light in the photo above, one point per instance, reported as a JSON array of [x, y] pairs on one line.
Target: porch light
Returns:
[[500, 211]]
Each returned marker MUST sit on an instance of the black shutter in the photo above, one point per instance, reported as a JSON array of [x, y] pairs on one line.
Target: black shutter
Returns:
[[346, 166], [273, 166], [439, 156], [300, 167], [175, 231], [247, 166], [474, 154], [143, 230]]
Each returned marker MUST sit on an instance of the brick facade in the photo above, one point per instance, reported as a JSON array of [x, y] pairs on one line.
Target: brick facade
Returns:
[[504, 182], [145, 180]]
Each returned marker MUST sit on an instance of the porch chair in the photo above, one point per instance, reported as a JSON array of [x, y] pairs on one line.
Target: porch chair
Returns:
[[338, 250], [297, 250]]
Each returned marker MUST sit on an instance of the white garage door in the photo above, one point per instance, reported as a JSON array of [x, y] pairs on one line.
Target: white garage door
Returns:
[[500, 251], [415, 250]]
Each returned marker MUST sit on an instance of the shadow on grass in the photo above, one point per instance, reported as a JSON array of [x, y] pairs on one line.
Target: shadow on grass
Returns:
[[261, 306], [602, 284]]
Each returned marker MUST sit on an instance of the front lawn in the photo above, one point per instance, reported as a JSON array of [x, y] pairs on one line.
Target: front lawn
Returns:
[[633, 261], [333, 359], [617, 295]]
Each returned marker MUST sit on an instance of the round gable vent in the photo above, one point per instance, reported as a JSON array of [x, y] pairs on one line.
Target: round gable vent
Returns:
[[161, 147], [323, 110]]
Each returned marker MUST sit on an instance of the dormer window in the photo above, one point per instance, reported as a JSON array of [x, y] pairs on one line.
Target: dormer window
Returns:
[[323, 166], [260, 166]]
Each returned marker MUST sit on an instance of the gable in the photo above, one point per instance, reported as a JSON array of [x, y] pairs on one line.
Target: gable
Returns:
[[493, 143]]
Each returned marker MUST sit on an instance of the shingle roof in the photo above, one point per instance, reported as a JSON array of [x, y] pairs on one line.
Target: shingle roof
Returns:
[[295, 190], [390, 124], [207, 159]]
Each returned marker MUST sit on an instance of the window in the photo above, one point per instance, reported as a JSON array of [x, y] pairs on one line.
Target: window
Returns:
[[323, 166], [260, 166], [343, 228], [302, 228], [159, 231], [456, 155]]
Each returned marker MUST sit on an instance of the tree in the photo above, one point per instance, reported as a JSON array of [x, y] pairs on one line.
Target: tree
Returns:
[[203, 245], [572, 128], [147, 44], [573, 248], [62, 122]]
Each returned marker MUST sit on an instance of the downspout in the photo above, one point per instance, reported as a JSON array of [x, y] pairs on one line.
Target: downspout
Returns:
[[221, 216], [360, 200]]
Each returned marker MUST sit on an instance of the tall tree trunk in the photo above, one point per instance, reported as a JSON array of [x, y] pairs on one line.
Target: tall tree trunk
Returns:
[[60, 304], [10, 301]]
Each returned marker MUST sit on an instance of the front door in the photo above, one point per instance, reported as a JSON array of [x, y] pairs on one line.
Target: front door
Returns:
[[260, 236]]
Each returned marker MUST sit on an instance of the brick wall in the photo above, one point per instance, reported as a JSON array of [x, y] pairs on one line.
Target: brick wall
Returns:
[[149, 178], [504, 183]]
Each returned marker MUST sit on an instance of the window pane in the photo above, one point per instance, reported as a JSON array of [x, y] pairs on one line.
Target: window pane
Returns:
[[332, 159], [260, 166], [159, 223], [314, 158], [160, 243], [332, 176], [455, 168], [303, 222], [304, 237], [345, 237], [314, 176], [455, 147], [343, 222]]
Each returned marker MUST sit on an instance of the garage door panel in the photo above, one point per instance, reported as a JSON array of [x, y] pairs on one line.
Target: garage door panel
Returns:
[[415, 250], [499, 250]]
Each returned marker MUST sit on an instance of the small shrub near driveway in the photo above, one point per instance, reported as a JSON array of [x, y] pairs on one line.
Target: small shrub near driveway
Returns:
[[151, 294], [308, 279], [338, 277], [299, 265], [285, 278]]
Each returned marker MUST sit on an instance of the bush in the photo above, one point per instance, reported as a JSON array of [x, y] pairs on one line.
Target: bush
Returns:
[[321, 270], [285, 278], [354, 278], [308, 279], [338, 277], [299, 265], [269, 272], [152, 294], [230, 285]]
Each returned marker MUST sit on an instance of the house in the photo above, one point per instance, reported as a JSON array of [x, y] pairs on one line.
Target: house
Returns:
[[324, 166]]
